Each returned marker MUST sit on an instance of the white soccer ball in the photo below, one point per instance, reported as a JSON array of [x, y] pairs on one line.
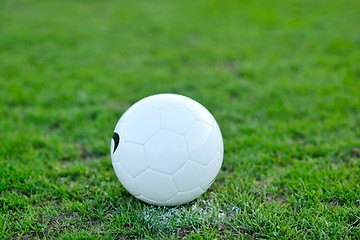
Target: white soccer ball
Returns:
[[167, 149]]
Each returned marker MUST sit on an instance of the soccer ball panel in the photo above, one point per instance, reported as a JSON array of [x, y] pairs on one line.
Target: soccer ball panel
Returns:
[[129, 110], [176, 118], [156, 186], [202, 142], [132, 158], [141, 124], [198, 111], [162, 100], [166, 152], [190, 176], [126, 180], [212, 170], [184, 197], [219, 139]]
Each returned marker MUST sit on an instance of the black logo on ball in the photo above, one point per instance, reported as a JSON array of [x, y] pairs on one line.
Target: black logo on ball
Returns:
[[116, 138]]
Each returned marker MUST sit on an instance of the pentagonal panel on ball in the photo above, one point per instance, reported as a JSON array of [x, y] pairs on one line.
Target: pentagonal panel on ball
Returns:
[[126, 180], [176, 118], [189, 176], [198, 111], [132, 158], [202, 142], [166, 152], [141, 123], [156, 186]]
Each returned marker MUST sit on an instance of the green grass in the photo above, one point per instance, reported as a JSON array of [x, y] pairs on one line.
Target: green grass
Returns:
[[282, 78]]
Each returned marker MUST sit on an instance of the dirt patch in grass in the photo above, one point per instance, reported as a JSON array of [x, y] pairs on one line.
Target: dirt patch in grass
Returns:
[[346, 155], [183, 232], [355, 152], [337, 202], [66, 222], [88, 154], [23, 237], [279, 200]]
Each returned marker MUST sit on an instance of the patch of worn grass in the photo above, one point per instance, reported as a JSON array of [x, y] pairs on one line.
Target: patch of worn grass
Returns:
[[281, 78]]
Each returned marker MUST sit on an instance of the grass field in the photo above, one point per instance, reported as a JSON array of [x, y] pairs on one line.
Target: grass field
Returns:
[[282, 78]]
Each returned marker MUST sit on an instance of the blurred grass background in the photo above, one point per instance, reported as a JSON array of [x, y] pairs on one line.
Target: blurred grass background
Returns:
[[281, 78]]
